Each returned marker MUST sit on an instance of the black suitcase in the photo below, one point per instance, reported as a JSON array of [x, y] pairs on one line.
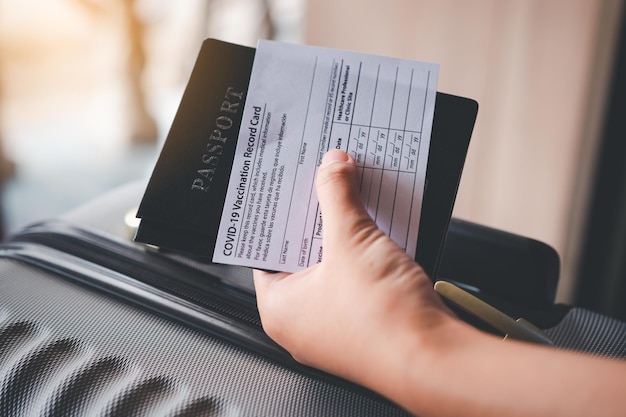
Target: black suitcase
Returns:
[[93, 324]]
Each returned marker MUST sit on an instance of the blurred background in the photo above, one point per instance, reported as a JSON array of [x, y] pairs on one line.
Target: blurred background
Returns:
[[88, 89]]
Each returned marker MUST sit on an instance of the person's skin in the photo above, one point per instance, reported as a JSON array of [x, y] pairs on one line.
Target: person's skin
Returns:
[[368, 313]]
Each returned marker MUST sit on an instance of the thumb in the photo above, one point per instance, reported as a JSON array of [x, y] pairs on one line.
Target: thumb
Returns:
[[343, 212]]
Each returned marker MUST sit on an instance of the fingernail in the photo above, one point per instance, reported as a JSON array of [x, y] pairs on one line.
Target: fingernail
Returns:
[[333, 156]]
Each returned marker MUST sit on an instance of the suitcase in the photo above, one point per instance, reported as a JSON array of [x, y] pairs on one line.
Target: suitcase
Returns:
[[94, 324]]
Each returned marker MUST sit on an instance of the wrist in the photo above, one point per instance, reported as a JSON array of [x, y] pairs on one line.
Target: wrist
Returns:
[[418, 360]]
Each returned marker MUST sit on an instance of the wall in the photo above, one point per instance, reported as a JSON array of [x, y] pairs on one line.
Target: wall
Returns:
[[530, 65]]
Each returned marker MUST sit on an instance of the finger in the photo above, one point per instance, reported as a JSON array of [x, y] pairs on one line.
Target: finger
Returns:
[[263, 279], [342, 210]]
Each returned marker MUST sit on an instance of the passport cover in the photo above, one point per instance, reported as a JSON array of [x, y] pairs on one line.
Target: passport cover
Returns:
[[183, 202]]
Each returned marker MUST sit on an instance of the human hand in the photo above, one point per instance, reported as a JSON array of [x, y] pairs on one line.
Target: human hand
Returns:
[[366, 305], [368, 313]]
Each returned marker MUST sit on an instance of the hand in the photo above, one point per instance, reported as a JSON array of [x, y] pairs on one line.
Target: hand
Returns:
[[364, 304], [368, 313]]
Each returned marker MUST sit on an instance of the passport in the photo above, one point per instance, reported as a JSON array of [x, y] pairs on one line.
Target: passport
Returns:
[[183, 203]]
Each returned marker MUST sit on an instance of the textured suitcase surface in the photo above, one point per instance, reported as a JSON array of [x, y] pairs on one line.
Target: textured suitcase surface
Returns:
[[586, 331], [91, 324], [67, 347]]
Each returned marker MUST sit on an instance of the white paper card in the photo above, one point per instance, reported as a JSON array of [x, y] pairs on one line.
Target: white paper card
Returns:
[[301, 102]]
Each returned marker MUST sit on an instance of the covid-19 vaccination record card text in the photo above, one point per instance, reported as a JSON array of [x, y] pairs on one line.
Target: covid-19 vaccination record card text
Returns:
[[301, 102]]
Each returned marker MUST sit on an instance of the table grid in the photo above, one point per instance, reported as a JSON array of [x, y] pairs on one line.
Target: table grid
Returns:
[[383, 154]]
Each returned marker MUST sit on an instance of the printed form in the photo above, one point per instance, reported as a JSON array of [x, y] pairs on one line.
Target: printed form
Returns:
[[301, 102]]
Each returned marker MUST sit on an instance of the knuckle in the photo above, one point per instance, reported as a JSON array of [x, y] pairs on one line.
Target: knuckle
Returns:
[[334, 174]]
